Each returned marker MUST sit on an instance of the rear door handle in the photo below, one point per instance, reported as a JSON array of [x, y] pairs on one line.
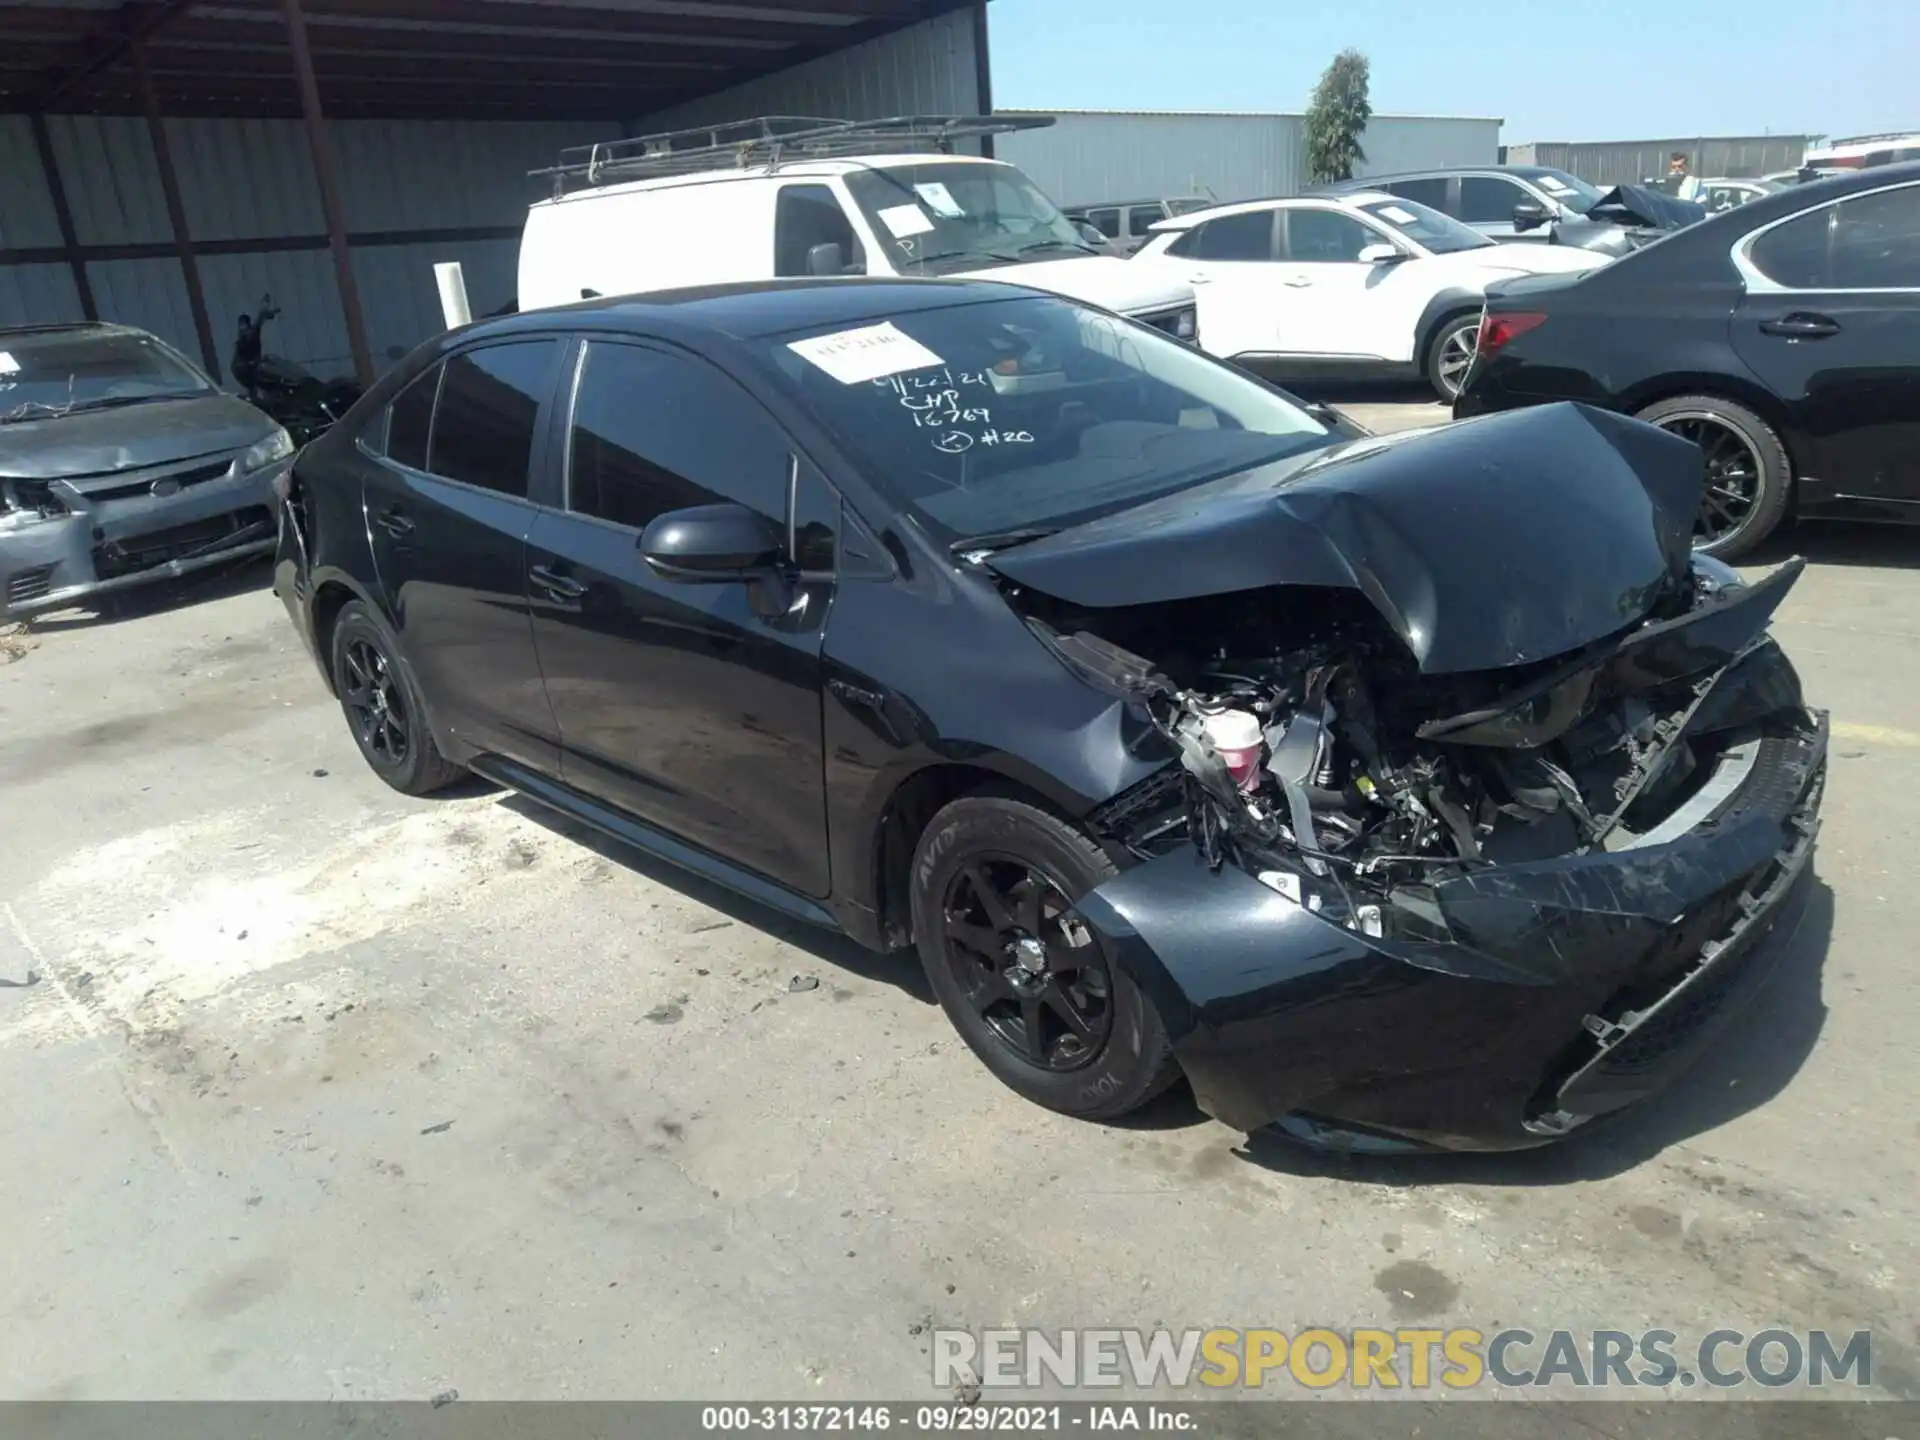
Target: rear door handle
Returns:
[[1297, 282], [1801, 325], [1199, 279], [561, 587], [394, 523]]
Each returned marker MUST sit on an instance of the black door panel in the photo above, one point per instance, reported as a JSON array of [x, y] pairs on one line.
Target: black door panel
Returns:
[[452, 555], [694, 706]]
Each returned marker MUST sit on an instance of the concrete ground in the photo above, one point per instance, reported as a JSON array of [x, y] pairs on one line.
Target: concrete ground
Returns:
[[324, 1092]]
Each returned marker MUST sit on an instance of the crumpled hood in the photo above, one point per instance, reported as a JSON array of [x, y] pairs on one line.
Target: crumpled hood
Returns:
[[1640, 206], [1121, 285], [1493, 542], [129, 438]]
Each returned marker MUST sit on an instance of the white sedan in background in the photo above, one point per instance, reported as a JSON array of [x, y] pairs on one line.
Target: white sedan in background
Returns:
[[1364, 284]]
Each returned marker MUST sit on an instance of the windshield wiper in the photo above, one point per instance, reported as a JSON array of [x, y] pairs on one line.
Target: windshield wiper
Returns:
[[965, 255], [1080, 245], [1001, 539], [26, 408], [115, 402]]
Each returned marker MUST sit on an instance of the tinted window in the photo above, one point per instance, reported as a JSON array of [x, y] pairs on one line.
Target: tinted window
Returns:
[[806, 216], [483, 425], [1422, 192], [1326, 236], [655, 431], [1107, 222], [410, 420], [1871, 243], [1487, 199], [1234, 237], [1142, 218]]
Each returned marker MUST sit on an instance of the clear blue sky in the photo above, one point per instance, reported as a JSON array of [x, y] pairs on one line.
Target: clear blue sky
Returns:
[[1552, 69]]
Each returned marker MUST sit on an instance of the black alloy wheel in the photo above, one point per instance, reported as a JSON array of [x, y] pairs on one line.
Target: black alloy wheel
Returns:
[[1033, 990], [382, 706], [375, 704], [1748, 477], [1026, 964]]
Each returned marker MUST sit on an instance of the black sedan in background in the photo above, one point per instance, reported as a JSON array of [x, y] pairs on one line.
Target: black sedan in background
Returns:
[[1783, 338], [1423, 790]]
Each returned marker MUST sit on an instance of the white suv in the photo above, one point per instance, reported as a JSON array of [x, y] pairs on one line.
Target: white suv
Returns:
[[779, 197], [1361, 284]]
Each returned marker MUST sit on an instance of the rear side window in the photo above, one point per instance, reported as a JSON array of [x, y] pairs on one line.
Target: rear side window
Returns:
[[1868, 243], [1432, 193], [489, 401], [806, 216], [655, 431], [410, 421], [1327, 237], [1232, 237]]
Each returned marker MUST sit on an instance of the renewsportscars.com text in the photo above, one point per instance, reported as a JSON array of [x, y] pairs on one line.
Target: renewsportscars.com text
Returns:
[[1416, 1359]]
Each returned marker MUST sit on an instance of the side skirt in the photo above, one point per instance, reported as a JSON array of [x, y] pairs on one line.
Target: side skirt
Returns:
[[620, 826]]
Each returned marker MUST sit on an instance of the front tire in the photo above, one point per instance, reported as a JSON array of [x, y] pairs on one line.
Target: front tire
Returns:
[[383, 706], [1450, 354], [1749, 477], [1030, 987]]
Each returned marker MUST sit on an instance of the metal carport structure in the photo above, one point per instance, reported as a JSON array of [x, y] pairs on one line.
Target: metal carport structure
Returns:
[[161, 158]]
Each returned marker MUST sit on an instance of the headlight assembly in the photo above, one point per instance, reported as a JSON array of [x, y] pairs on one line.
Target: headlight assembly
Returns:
[[276, 446]]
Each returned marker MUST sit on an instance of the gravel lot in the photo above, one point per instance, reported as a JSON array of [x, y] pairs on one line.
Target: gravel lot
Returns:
[[324, 1092]]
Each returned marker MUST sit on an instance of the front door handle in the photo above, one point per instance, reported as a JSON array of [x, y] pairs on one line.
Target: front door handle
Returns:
[[1199, 279], [1296, 283], [1801, 325], [394, 523], [561, 587]]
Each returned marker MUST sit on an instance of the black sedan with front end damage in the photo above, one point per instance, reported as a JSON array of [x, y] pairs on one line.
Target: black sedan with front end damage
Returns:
[[1417, 791]]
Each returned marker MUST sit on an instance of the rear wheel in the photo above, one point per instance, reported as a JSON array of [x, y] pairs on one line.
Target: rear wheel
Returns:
[[382, 706], [1029, 986], [1749, 478], [1450, 354]]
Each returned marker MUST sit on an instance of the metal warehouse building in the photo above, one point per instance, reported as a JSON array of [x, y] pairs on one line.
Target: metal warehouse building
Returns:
[[1627, 162], [1095, 155], [164, 162]]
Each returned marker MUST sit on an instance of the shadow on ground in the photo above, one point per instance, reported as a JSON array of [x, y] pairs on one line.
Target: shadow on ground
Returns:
[[1744, 1066], [901, 969], [1840, 542], [218, 582]]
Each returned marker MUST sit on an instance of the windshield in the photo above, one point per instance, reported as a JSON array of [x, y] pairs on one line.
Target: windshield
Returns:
[[944, 216], [58, 372], [1568, 190], [1014, 416], [1427, 228]]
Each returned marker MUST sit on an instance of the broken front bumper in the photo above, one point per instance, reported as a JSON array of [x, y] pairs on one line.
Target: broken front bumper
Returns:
[[120, 534], [1573, 987]]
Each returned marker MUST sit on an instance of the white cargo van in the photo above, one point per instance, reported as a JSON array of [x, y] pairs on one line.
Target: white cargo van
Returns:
[[785, 196]]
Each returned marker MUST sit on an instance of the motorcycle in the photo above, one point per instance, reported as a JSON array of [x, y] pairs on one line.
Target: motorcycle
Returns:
[[307, 405]]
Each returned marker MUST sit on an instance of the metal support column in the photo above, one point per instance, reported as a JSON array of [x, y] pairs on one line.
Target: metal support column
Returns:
[[176, 209], [983, 71], [63, 215], [325, 173]]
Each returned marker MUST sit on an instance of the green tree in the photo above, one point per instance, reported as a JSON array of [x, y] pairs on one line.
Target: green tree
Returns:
[[1336, 119]]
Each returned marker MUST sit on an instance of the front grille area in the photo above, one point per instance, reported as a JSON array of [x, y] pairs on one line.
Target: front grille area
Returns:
[[177, 542], [29, 585], [198, 475], [36, 495]]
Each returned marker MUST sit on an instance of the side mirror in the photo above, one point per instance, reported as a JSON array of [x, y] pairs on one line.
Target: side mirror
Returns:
[[827, 259], [1381, 255], [1529, 216], [710, 544]]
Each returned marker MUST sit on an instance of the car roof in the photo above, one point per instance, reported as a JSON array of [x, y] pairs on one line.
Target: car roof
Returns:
[[1248, 207], [68, 327], [749, 309], [783, 170], [1435, 172]]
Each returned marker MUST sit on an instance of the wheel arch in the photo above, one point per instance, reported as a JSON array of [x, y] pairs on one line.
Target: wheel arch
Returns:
[[1745, 393], [904, 816], [333, 591], [1448, 304]]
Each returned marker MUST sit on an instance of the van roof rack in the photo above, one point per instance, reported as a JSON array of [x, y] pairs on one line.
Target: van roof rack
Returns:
[[771, 140]]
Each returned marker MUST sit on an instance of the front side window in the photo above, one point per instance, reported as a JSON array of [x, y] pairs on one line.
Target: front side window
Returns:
[[1326, 237], [655, 431], [49, 373], [1142, 218], [1871, 242], [808, 216], [946, 216], [1489, 199], [1429, 229], [1106, 221], [483, 425], [981, 418]]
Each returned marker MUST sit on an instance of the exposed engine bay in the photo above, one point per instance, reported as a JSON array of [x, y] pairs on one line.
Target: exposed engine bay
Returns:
[[1313, 753]]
